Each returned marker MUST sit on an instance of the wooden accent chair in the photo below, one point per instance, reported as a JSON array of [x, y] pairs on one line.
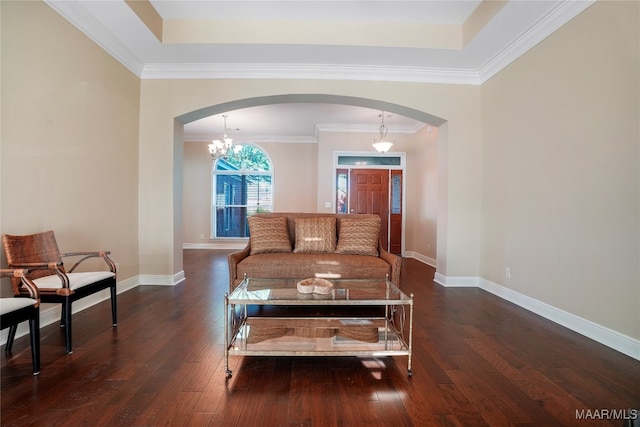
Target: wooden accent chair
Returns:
[[14, 311], [39, 253]]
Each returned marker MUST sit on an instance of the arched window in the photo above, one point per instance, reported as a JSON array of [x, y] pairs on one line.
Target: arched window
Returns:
[[242, 185]]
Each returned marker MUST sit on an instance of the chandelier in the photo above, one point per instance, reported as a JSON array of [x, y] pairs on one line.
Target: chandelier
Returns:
[[382, 145], [219, 149]]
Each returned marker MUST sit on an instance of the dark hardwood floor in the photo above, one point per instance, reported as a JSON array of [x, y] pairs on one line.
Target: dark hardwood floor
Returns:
[[478, 361]]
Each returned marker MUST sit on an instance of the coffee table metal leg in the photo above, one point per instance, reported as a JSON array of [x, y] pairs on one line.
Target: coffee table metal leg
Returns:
[[227, 319], [410, 370]]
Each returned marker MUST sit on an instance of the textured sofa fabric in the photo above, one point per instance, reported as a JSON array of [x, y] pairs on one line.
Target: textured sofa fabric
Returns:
[[292, 265]]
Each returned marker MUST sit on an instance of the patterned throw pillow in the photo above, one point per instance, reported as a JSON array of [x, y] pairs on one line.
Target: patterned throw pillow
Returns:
[[269, 235], [359, 236], [315, 235]]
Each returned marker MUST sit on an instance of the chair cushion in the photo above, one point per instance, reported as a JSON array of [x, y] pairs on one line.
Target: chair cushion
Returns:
[[359, 236], [8, 305], [76, 280], [315, 235], [269, 235]]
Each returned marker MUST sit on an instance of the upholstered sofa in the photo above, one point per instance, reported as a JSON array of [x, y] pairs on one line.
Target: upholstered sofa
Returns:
[[305, 245]]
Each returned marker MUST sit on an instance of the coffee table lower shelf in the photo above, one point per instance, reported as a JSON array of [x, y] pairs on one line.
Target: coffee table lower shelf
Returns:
[[326, 336]]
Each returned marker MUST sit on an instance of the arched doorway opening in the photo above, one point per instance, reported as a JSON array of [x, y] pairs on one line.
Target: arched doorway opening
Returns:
[[217, 109]]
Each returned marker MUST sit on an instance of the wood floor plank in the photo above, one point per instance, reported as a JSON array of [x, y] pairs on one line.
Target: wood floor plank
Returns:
[[273, 413], [458, 409], [300, 411], [217, 390], [560, 404], [325, 404], [478, 361], [391, 404]]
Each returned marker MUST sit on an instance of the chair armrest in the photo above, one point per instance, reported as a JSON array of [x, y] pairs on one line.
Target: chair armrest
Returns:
[[24, 280], [234, 259], [93, 254], [37, 265], [55, 266], [395, 262]]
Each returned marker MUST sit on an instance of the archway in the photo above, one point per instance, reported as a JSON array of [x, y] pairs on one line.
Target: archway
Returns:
[[183, 119]]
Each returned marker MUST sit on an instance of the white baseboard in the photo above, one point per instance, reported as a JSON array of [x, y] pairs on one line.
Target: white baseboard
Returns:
[[422, 258], [179, 277], [220, 245], [456, 281], [608, 337], [161, 280], [50, 313], [615, 340]]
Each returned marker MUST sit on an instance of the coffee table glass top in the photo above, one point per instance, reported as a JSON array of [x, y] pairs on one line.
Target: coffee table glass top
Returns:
[[344, 292]]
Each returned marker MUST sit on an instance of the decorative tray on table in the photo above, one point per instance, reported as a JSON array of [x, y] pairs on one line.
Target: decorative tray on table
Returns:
[[315, 285]]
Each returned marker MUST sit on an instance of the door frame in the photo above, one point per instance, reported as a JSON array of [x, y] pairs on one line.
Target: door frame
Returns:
[[402, 167]]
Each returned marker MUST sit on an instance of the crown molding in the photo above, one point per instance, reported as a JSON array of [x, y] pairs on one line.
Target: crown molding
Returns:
[[79, 16], [257, 139], [283, 139], [305, 139], [560, 15], [310, 71], [365, 128], [83, 20]]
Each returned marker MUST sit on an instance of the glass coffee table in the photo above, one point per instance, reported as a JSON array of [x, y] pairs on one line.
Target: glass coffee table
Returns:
[[364, 318]]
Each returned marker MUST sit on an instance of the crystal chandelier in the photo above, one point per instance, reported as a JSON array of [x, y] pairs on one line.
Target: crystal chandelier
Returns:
[[382, 145], [219, 149]]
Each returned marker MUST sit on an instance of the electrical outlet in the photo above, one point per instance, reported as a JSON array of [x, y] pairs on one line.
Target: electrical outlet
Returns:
[[507, 273]]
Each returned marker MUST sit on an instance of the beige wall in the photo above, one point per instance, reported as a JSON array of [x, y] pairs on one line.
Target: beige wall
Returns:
[[196, 200], [561, 184], [294, 178], [69, 141], [163, 100], [422, 195]]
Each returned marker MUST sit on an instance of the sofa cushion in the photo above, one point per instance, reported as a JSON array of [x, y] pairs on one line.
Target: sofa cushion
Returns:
[[359, 236], [269, 235], [315, 235], [303, 266]]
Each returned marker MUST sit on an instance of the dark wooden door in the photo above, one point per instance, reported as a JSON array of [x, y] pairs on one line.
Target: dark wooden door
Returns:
[[369, 193]]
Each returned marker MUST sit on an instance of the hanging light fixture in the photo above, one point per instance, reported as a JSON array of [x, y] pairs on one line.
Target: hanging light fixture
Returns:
[[382, 145], [219, 149]]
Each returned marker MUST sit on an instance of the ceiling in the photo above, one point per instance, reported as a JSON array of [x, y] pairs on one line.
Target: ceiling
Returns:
[[446, 42]]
